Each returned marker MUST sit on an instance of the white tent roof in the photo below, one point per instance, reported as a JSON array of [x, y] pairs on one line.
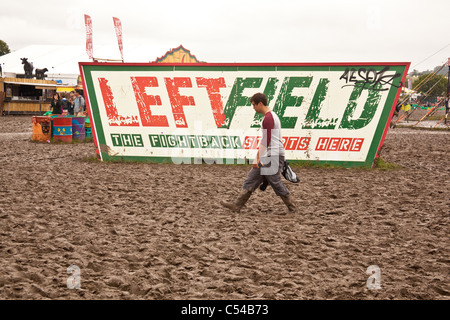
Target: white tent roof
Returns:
[[63, 59]]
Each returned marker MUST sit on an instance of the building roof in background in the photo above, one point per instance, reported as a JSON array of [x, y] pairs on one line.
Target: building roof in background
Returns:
[[178, 55]]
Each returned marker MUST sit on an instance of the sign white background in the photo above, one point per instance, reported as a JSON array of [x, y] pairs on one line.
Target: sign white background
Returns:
[[200, 118]]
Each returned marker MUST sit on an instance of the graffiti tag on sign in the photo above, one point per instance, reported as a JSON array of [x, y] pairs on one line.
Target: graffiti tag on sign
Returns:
[[370, 78]]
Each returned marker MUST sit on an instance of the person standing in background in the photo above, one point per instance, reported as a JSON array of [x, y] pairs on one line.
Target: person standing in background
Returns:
[[65, 103], [56, 104], [78, 104], [70, 102]]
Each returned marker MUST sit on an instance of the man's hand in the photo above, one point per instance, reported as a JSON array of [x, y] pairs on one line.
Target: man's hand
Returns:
[[255, 164]]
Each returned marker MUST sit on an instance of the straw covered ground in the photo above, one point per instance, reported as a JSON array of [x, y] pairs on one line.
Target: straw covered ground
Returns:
[[157, 231]]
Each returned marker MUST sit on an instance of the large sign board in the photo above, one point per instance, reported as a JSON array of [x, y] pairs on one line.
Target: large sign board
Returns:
[[192, 113]]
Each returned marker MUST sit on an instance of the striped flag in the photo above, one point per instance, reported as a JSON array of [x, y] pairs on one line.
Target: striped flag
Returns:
[[89, 46], [118, 27]]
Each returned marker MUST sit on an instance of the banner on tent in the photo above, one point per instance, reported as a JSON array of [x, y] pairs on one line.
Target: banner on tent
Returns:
[[330, 113]]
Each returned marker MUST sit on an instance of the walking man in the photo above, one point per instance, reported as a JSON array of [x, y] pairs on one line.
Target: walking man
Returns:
[[269, 159]]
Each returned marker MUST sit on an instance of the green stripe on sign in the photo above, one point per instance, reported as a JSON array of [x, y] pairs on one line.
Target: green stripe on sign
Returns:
[[214, 142], [155, 141], [116, 140], [193, 141], [185, 141], [171, 141]]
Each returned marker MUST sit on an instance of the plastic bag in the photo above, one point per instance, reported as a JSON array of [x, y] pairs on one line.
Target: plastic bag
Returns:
[[289, 174]]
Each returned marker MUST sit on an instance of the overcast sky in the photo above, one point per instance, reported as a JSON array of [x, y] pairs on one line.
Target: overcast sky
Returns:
[[246, 30]]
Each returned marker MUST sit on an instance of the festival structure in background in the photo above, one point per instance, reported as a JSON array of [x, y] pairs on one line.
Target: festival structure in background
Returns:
[[177, 109], [25, 96], [30, 93], [188, 113], [67, 128]]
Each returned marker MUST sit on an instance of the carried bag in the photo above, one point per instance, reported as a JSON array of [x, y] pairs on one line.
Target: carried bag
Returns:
[[289, 174]]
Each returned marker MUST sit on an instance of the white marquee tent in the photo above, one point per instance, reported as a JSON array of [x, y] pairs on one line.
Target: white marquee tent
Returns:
[[62, 60]]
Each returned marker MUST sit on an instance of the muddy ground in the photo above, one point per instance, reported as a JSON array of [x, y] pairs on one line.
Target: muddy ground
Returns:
[[157, 231]]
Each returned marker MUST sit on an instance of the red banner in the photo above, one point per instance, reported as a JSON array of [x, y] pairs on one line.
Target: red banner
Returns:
[[89, 46], [118, 27]]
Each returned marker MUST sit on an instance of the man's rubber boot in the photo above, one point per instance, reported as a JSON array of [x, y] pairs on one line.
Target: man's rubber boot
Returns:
[[289, 204], [240, 202]]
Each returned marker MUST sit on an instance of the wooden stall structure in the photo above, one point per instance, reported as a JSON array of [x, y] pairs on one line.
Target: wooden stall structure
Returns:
[[25, 96]]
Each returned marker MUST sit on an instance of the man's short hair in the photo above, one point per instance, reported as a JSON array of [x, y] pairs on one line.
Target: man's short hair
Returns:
[[259, 97]]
